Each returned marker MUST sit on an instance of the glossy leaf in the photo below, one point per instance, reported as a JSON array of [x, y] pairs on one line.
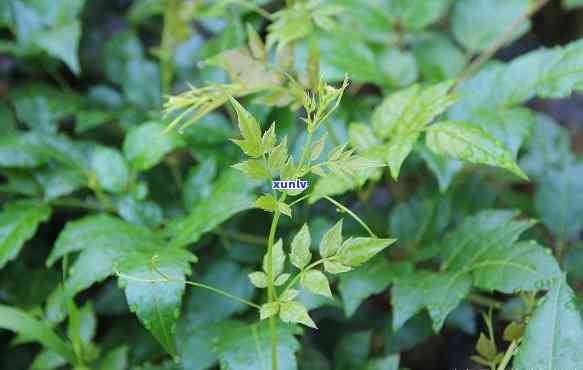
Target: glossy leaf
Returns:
[[18, 223], [146, 145], [462, 141]]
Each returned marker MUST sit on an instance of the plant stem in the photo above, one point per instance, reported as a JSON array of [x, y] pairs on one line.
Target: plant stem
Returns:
[[502, 40], [508, 355], [358, 219], [166, 279], [242, 237], [271, 286], [299, 274], [484, 301]]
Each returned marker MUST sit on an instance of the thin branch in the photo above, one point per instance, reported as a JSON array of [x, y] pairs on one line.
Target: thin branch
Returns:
[[358, 219], [500, 41]]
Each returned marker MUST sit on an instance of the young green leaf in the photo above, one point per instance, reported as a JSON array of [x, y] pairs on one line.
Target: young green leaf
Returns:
[[250, 130], [258, 279], [254, 168], [281, 279], [278, 257], [295, 312], [269, 309], [335, 267], [331, 241], [300, 248], [278, 156], [356, 251], [316, 282], [471, 144]]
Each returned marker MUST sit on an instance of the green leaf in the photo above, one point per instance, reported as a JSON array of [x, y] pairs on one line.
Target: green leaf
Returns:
[[316, 282], [278, 259], [230, 195], [40, 106], [556, 317], [258, 279], [559, 201], [242, 346], [476, 29], [255, 169], [146, 145], [57, 180], [548, 73], [526, 266], [24, 324], [34, 148], [400, 67], [141, 83], [440, 293], [438, 57], [335, 267], [281, 279], [295, 312], [460, 140], [356, 251], [417, 14], [100, 238], [373, 278], [157, 304], [115, 359], [110, 169], [443, 168], [62, 43], [477, 234], [198, 185], [401, 116], [510, 126], [398, 150], [485, 245], [250, 130], [549, 147], [269, 309], [267, 202], [300, 248], [18, 223], [331, 241]]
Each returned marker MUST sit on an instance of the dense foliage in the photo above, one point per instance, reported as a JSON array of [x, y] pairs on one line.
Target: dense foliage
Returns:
[[148, 218]]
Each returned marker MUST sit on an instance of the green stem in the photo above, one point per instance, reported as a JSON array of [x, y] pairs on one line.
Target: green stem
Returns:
[[358, 219], [484, 301], [332, 134], [508, 355], [239, 236], [166, 279], [271, 287], [298, 276]]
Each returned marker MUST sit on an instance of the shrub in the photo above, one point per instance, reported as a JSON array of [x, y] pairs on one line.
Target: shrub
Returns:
[[305, 184]]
